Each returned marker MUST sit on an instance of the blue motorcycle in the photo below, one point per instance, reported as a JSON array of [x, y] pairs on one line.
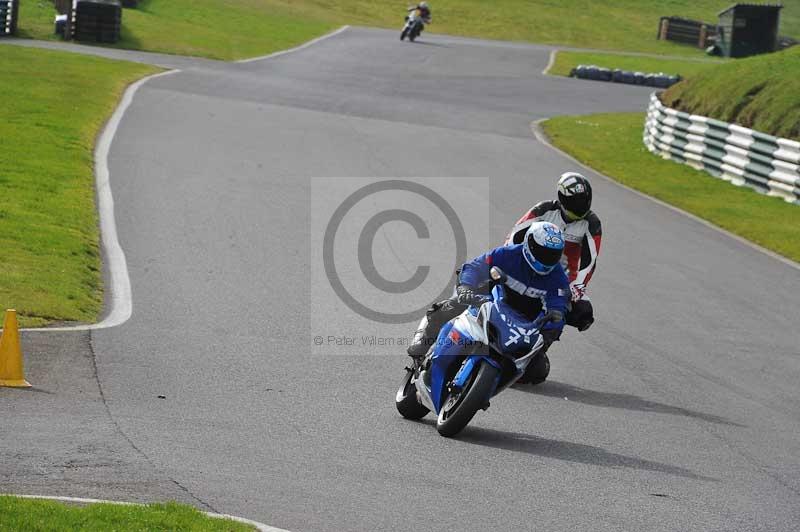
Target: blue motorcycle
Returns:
[[475, 357]]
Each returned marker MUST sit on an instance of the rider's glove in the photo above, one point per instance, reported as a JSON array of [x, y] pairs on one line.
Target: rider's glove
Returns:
[[553, 316], [578, 291], [467, 296]]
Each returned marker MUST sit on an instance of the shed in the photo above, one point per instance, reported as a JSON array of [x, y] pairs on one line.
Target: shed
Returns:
[[749, 29]]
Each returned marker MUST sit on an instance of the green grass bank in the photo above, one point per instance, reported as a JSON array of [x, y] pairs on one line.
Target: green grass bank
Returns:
[[45, 516], [234, 29], [760, 92], [54, 105], [612, 144], [216, 29]]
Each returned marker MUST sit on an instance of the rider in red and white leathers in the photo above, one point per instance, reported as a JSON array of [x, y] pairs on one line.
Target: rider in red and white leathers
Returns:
[[582, 234]]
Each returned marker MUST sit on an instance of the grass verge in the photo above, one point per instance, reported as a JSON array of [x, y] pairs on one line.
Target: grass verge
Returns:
[[54, 104], [233, 29], [226, 30], [761, 92], [42, 515], [566, 61], [612, 144]]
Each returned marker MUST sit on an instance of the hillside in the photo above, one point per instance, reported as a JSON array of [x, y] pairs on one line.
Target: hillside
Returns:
[[234, 29], [760, 92]]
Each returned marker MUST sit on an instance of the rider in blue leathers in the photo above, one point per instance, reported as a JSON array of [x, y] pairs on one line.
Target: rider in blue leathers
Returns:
[[536, 285], [528, 292]]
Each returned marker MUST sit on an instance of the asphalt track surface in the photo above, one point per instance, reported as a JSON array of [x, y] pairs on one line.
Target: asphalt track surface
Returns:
[[678, 410]]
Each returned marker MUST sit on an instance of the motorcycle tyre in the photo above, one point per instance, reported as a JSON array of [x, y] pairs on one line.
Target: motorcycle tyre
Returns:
[[476, 396], [538, 370]]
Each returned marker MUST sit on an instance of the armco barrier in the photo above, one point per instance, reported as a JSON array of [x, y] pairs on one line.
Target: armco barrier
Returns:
[[9, 11], [742, 156]]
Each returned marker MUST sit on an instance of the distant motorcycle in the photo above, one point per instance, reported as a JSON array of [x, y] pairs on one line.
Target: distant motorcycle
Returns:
[[414, 25], [476, 356]]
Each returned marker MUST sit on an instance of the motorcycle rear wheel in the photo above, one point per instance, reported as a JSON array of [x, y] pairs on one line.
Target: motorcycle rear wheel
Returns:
[[459, 410], [406, 399], [538, 370]]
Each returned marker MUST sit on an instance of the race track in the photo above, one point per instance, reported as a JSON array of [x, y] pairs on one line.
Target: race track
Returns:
[[678, 410]]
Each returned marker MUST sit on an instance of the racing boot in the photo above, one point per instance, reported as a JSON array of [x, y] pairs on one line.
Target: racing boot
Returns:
[[580, 314], [428, 330], [423, 339]]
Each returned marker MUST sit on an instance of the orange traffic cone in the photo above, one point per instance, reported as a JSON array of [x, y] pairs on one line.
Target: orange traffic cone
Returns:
[[11, 371]]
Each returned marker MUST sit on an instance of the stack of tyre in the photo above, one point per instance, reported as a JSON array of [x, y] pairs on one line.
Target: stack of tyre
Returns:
[[659, 80], [98, 20], [8, 17]]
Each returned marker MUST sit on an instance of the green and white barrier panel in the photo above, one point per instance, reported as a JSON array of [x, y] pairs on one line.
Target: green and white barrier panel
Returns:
[[9, 12], [742, 156]]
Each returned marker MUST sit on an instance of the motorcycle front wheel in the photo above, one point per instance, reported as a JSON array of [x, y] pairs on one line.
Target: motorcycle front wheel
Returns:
[[460, 407], [406, 399], [403, 34]]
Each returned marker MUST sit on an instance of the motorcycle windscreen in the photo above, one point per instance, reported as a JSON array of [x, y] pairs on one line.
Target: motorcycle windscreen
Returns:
[[513, 333]]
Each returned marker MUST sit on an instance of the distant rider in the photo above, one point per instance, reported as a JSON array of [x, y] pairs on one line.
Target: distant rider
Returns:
[[536, 285], [424, 12], [582, 232]]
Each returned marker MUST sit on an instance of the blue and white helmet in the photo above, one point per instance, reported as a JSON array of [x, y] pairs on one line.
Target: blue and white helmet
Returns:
[[543, 247]]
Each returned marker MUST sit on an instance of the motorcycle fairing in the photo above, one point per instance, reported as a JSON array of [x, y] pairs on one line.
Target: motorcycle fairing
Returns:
[[467, 336], [519, 336], [449, 346], [471, 363]]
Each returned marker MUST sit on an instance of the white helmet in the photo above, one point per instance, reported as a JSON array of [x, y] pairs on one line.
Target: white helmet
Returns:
[[543, 246], [423, 4]]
